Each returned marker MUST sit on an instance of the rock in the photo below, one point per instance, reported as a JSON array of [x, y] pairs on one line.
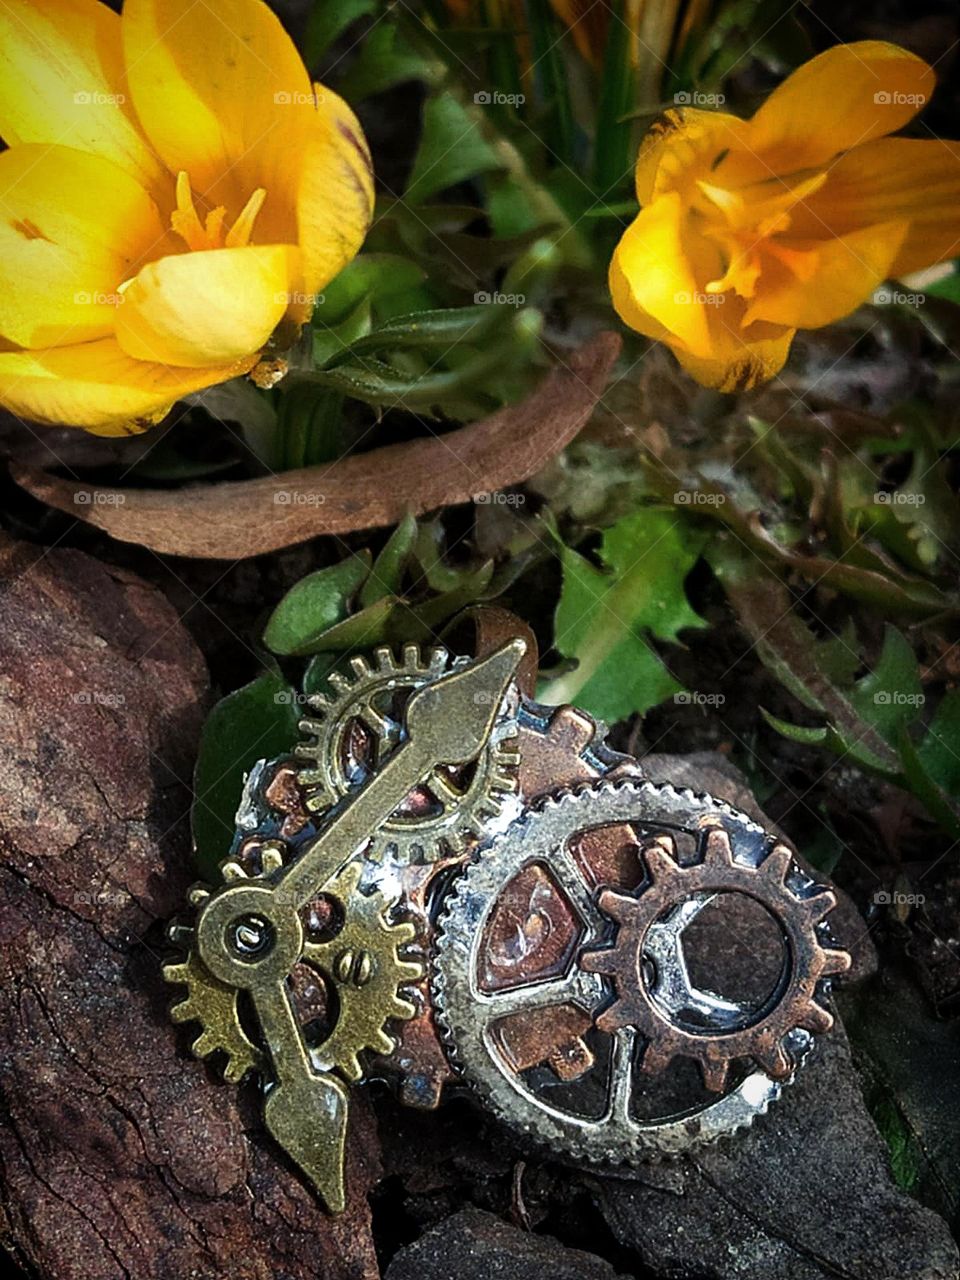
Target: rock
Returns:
[[120, 1156], [473, 1245], [807, 1192]]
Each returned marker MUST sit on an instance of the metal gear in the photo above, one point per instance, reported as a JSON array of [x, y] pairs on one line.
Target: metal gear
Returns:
[[791, 1006], [353, 726], [471, 1018], [361, 962]]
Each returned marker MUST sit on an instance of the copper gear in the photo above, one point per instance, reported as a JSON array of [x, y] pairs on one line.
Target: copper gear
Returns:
[[452, 812], [794, 1005]]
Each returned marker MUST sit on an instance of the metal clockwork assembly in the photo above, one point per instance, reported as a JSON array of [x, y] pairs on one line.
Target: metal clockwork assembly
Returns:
[[449, 886]]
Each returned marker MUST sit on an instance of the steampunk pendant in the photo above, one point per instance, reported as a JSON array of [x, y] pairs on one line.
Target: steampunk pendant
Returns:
[[447, 886]]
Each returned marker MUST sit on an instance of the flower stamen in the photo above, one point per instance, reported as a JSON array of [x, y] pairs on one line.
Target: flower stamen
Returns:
[[209, 234]]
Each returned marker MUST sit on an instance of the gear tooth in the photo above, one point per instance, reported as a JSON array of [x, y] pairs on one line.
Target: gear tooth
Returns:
[[714, 1072], [175, 972], [382, 1043], [350, 1066], [815, 1019], [455, 841], [403, 1010], [600, 961], [179, 935], [197, 893], [411, 657], [616, 905], [656, 1058], [411, 971], [776, 1062], [204, 1045], [437, 660], [319, 702], [776, 865], [383, 656], [659, 859], [234, 1071], [834, 961], [820, 905], [314, 728], [183, 1012], [339, 682], [617, 1016], [271, 859], [360, 666], [717, 848], [231, 871]]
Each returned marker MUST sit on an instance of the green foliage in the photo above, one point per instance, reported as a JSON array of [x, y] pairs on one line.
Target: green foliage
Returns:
[[259, 720], [608, 615]]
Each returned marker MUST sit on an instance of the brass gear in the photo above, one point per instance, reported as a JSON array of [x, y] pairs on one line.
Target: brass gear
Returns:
[[793, 1006], [354, 724], [361, 962]]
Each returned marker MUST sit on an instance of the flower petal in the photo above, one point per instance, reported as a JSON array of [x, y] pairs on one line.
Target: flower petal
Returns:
[[831, 277], [335, 197], [97, 386], [62, 80], [843, 98], [685, 144], [73, 228], [208, 308], [664, 267], [742, 365], [916, 180], [221, 92]]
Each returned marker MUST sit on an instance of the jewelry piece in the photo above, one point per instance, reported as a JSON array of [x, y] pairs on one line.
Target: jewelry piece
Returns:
[[447, 885]]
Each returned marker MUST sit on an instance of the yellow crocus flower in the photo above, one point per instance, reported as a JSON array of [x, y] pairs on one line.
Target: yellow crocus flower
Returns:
[[175, 188], [752, 229]]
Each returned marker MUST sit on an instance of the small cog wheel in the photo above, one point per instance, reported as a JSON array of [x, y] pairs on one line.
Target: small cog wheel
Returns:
[[356, 722], [792, 1005], [361, 962]]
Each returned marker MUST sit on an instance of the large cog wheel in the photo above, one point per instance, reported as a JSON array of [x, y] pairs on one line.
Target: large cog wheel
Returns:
[[469, 1016], [356, 722], [361, 962]]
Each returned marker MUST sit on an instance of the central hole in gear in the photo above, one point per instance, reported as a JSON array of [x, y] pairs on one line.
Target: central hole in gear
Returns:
[[250, 937], [735, 956]]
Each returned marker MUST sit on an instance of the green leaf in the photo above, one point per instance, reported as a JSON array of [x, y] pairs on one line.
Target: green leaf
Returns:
[[890, 695], [328, 20], [362, 630], [385, 58], [385, 278], [257, 721], [390, 565], [452, 148], [606, 615], [939, 752], [314, 605]]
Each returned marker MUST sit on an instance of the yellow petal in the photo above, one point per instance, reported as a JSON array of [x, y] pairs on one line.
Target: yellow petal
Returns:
[[97, 386], [665, 267], [916, 180], [843, 98], [62, 80], [685, 144], [741, 365], [335, 198], [221, 92], [73, 227], [830, 278], [209, 308]]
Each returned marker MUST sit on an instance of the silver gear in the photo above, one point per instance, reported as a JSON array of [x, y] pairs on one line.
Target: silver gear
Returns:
[[466, 1014], [458, 809]]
